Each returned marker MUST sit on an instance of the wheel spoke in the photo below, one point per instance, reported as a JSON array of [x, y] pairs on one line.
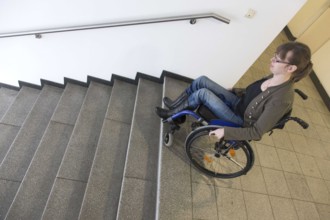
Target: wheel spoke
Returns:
[[235, 162], [219, 165], [211, 151]]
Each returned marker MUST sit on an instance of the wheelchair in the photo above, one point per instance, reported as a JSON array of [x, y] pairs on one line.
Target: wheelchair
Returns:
[[214, 157]]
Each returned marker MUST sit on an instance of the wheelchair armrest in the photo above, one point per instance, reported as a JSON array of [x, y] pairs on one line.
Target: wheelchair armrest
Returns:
[[301, 122], [285, 119]]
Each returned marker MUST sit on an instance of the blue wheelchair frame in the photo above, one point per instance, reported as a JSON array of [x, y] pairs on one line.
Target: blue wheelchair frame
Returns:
[[200, 119]]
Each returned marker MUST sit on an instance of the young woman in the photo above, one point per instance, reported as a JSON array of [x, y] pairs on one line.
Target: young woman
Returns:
[[258, 107]]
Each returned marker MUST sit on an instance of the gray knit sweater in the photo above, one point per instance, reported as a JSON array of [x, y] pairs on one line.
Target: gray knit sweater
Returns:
[[263, 112]]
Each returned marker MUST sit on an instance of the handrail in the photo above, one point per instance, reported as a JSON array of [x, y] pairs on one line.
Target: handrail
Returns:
[[192, 19]]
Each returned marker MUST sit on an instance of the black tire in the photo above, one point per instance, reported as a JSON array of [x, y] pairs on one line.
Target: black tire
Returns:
[[221, 159]]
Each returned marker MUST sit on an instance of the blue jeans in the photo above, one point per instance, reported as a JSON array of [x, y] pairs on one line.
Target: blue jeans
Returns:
[[216, 98]]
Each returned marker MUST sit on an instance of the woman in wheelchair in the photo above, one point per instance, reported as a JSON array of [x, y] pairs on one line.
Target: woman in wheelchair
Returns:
[[255, 109]]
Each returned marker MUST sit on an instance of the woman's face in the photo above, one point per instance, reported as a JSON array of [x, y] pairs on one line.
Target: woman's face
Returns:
[[280, 66]]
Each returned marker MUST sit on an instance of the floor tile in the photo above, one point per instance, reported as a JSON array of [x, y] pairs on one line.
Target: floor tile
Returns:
[[230, 204], [283, 208], [198, 177], [319, 148], [258, 206], [323, 132], [326, 117], [315, 117], [308, 165], [256, 157], [321, 107], [324, 211], [289, 161], [268, 157], [299, 143], [298, 186], [309, 103], [267, 140], [282, 140], [299, 111], [319, 190], [311, 132], [324, 167], [327, 183], [276, 183], [306, 210], [204, 201], [234, 183], [326, 150], [254, 181]]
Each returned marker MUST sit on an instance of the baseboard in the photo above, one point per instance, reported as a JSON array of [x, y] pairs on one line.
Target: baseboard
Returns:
[[318, 85], [289, 34]]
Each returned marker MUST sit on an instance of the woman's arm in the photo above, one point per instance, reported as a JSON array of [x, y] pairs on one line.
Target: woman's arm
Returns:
[[267, 120]]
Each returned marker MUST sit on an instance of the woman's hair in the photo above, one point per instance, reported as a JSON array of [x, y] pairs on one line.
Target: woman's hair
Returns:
[[300, 55]]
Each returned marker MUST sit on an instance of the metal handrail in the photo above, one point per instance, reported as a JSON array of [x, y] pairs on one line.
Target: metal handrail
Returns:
[[192, 19]]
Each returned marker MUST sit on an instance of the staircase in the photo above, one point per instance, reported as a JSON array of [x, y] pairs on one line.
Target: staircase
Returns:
[[88, 150]]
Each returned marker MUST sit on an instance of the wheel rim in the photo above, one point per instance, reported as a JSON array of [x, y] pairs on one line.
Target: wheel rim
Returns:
[[226, 161]]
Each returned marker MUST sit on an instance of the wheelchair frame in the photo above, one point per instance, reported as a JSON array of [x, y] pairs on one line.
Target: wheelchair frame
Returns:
[[227, 149]]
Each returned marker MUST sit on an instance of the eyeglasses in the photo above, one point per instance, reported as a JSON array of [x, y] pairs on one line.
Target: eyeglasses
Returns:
[[276, 60]]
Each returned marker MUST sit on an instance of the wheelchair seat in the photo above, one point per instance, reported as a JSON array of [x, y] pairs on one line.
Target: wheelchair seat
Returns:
[[205, 113]]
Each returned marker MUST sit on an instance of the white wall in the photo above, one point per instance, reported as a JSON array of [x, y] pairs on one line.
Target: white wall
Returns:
[[209, 47]]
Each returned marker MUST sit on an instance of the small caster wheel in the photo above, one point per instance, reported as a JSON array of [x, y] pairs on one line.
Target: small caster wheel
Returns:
[[193, 21], [168, 139]]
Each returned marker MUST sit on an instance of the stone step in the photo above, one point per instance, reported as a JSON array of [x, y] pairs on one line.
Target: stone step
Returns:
[[7, 97], [68, 189], [22, 150], [139, 187], [33, 193], [14, 119], [21, 107], [175, 200], [15, 116], [104, 184]]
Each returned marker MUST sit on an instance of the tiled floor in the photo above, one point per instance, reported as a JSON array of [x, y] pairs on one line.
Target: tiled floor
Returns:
[[291, 175]]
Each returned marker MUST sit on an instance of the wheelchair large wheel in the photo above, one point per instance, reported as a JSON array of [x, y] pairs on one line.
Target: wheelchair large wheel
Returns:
[[221, 159]]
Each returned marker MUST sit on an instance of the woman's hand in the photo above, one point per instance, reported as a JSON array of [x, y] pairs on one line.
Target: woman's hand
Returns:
[[219, 133]]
